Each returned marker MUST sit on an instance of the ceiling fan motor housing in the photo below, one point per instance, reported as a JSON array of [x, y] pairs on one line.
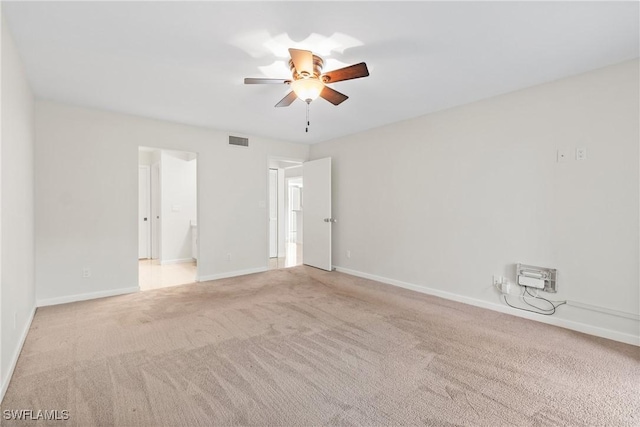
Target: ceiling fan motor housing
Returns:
[[318, 63]]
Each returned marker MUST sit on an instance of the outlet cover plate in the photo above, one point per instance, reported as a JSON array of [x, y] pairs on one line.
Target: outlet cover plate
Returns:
[[548, 275], [581, 153]]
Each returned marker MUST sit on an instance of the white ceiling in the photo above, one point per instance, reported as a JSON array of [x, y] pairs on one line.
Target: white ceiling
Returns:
[[185, 61]]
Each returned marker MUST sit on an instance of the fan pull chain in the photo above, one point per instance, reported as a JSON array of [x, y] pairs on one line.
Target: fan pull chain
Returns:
[[308, 123]]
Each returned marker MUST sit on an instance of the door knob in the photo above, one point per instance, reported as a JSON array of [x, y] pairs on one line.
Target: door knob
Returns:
[[330, 220], [145, 219]]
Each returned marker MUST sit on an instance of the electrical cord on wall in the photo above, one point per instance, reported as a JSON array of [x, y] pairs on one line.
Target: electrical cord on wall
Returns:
[[541, 310]]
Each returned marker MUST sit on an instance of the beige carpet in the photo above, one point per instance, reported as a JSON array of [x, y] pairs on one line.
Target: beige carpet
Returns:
[[304, 347]]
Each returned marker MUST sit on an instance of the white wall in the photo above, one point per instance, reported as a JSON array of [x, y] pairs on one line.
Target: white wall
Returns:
[[86, 203], [17, 288], [179, 205], [457, 196]]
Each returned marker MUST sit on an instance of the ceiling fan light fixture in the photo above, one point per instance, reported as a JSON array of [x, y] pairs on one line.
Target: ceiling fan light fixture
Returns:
[[308, 82], [307, 89]]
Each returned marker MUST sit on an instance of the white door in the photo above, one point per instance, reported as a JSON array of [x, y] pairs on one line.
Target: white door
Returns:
[[273, 213], [155, 210], [144, 208], [316, 202]]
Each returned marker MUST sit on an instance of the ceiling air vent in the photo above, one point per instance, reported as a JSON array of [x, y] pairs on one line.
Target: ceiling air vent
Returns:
[[236, 140]]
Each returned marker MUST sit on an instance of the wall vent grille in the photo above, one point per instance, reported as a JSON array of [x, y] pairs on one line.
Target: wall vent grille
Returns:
[[236, 140]]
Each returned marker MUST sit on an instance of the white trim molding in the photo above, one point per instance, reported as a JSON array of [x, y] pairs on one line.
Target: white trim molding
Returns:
[[568, 324], [16, 354], [83, 297], [231, 274], [616, 313]]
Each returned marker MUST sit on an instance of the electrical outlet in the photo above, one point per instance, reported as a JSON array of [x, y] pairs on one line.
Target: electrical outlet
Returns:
[[86, 272], [562, 155], [581, 153], [348, 254]]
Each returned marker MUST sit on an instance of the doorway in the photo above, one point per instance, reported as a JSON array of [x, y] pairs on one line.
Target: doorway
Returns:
[[294, 220], [167, 218], [285, 226]]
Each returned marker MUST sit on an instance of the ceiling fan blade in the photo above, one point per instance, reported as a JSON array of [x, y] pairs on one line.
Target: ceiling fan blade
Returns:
[[287, 100], [260, 81], [347, 73], [302, 60], [333, 96]]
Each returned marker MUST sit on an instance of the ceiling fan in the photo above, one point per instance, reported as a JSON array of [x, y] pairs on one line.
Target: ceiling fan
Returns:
[[308, 82]]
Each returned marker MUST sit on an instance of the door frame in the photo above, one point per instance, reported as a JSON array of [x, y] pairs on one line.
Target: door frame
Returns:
[[146, 169], [277, 201], [156, 210], [196, 155]]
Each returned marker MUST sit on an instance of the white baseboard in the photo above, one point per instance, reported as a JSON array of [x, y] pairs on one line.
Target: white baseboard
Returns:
[[176, 261], [616, 313], [16, 354], [231, 274], [83, 297], [568, 324]]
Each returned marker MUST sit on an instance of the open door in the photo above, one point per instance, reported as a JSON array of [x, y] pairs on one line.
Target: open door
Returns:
[[316, 200]]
